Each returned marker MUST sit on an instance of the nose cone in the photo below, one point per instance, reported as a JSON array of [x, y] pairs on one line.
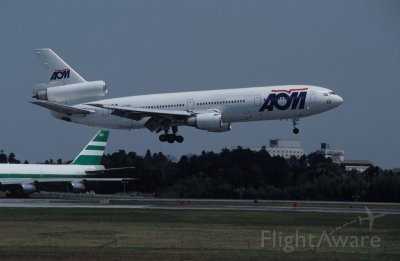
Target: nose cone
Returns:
[[337, 100]]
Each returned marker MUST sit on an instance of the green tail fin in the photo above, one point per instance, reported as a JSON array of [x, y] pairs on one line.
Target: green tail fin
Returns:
[[93, 152]]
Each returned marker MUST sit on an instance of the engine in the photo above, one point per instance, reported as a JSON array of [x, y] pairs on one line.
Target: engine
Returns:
[[70, 92], [209, 122], [76, 186], [26, 188], [224, 127]]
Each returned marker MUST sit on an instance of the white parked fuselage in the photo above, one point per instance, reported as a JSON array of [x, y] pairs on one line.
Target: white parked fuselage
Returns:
[[46, 170], [234, 105]]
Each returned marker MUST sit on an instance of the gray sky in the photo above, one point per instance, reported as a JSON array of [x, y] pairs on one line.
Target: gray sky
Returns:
[[140, 47]]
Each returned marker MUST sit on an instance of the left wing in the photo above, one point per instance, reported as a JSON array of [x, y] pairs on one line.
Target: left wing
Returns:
[[139, 113], [157, 117]]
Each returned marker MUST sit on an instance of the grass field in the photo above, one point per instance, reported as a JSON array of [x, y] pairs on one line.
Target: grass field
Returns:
[[123, 234]]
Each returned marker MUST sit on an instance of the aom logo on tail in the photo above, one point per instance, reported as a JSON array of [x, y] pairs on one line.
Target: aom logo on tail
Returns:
[[285, 99], [60, 74]]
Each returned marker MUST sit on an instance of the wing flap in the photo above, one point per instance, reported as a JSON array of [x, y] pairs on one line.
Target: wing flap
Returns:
[[139, 113]]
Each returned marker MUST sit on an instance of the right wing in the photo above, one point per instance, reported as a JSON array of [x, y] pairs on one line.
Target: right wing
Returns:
[[109, 171], [61, 108], [9, 182]]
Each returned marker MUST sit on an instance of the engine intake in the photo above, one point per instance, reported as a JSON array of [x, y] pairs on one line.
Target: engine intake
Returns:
[[209, 122], [70, 92]]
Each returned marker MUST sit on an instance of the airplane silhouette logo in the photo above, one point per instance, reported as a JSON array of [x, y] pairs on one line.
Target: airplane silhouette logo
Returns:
[[370, 218]]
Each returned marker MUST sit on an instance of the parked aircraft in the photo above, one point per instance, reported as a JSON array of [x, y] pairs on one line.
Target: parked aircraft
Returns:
[[211, 110], [24, 179]]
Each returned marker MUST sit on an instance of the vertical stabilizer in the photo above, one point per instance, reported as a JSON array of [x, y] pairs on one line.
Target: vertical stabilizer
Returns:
[[93, 152], [60, 72]]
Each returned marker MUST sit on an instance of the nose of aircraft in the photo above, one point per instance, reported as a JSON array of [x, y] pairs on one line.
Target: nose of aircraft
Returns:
[[337, 100]]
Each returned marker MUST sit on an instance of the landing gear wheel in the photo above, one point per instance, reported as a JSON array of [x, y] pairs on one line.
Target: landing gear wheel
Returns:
[[295, 123], [171, 138], [179, 139]]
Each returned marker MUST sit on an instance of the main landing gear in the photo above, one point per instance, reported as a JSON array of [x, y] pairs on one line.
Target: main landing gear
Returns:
[[295, 123], [171, 138]]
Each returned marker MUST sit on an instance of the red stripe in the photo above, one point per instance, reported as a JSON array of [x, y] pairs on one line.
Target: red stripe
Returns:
[[290, 90]]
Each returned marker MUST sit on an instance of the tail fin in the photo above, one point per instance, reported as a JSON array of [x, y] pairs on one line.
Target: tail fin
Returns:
[[93, 152], [61, 72]]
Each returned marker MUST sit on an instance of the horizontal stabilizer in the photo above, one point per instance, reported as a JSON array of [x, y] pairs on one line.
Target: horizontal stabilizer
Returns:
[[61, 108]]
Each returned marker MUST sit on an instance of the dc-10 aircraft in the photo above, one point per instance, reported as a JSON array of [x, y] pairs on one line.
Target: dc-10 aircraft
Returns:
[[212, 110], [25, 179]]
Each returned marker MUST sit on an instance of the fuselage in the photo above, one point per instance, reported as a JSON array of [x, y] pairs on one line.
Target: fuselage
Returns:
[[37, 171], [234, 105]]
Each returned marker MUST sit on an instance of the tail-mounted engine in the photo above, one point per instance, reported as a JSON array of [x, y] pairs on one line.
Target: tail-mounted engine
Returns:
[[71, 92]]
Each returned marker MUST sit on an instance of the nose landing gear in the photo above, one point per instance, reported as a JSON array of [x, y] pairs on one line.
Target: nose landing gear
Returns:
[[171, 138], [295, 123]]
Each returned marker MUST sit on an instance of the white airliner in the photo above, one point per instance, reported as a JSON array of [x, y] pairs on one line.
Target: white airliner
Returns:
[[24, 179], [212, 110]]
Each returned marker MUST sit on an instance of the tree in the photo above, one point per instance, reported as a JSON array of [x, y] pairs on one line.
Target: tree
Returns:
[[3, 157], [12, 159]]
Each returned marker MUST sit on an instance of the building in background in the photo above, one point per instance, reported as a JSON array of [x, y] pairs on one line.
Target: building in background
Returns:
[[337, 156], [292, 148], [285, 148], [358, 165]]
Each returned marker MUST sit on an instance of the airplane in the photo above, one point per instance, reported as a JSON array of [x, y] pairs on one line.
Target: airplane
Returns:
[[20, 180], [211, 110]]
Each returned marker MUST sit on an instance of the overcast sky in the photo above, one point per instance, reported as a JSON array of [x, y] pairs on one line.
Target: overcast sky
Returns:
[[141, 47]]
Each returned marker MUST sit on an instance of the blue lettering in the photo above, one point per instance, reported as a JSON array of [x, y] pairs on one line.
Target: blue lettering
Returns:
[[283, 101], [60, 74]]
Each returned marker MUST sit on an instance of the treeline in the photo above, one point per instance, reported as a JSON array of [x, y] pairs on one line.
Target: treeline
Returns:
[[10, 158], [247, 174]]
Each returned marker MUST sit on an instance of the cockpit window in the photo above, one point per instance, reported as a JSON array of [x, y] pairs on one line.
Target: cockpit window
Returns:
[[329, 93]]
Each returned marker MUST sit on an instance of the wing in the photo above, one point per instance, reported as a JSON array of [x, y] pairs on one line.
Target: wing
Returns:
[[157, 117], [110, 171], [61, 108], [8, 182]]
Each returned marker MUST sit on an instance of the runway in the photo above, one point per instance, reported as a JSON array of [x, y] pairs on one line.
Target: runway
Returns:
[[219, 206]]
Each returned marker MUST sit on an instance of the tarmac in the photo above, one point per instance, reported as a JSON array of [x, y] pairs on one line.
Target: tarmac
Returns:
[[187, 205]]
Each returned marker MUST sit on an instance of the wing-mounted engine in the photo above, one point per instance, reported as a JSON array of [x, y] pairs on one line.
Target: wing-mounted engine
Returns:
[[209, 122], [71, 92], [76, 186], [25, 189]]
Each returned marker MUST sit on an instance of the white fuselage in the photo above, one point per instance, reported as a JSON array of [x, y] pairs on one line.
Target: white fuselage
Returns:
[[37, 171], [234, 105]]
